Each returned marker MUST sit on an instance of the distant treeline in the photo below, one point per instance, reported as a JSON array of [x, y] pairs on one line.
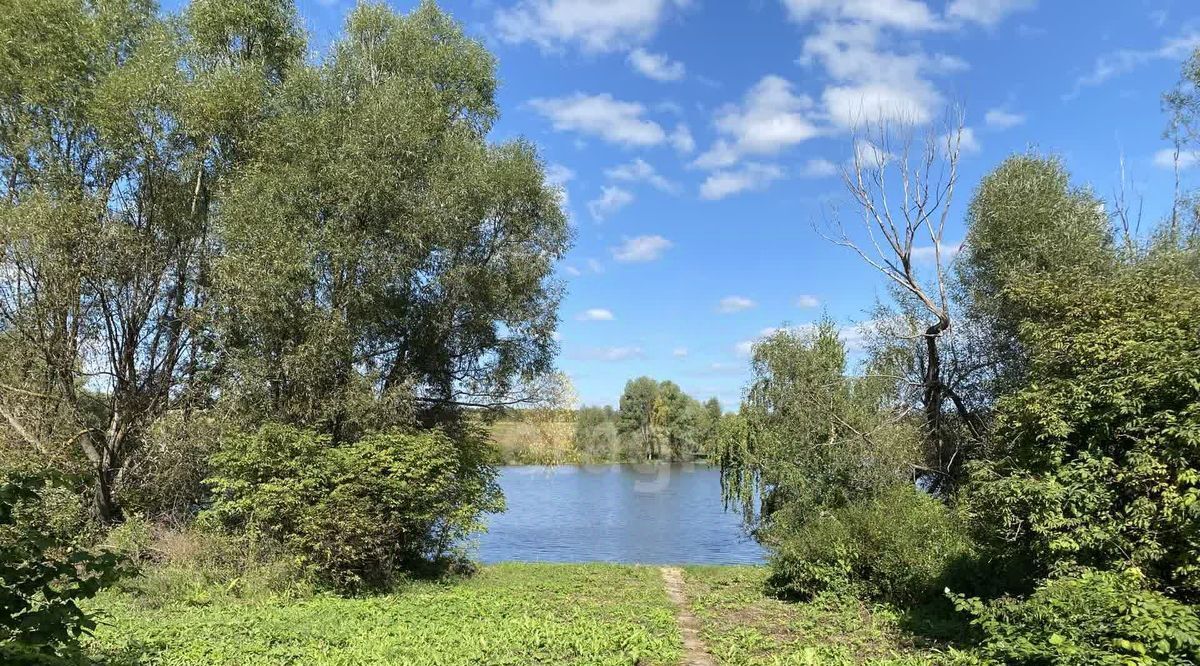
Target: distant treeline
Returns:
[[656, 421]]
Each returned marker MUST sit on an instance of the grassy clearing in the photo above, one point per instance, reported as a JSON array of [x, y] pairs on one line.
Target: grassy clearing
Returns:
[[742, 627], [514, 614], [508, 614]]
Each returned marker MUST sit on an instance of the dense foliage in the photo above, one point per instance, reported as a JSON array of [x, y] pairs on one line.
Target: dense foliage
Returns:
[[1064, 490], [202, 231], [378, 249], [44, 578], [360, 513], [1025, 221], [902, 546], [1096, 461], [810, 438], [1088, 618], [658, 421]]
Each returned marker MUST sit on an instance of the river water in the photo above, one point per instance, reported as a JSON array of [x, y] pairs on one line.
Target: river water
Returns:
[[642, 514]]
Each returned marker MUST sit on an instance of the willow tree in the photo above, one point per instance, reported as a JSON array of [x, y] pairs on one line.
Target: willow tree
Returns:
[[116, 126], [1026, 221], [810, 437], [379, 248]]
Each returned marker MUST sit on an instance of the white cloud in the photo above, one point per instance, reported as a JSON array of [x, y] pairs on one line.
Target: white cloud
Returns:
[[731, 304], [612, 199], [855, 105], [873, 83], [680, 352], [771, 118], [681, 139], [1002, 119], [572, 271], [558, 176], [641, 249], [720, 155], [610, 354], [595, 266], [987, 12], [596, 314], [1165, 159], [640, 171], [818, 168], [853, 336], [595, 25], [751, 177], [869, 156], [907, 14], [926, 254], [1126, 60], [656, 66], [807, 301], [968, 144], [601, 115]]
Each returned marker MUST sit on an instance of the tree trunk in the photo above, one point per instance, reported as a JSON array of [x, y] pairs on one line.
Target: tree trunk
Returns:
[[104, 503]]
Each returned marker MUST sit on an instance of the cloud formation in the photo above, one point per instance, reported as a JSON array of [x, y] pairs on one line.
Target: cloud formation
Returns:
[[747, 178], [602, 116], [612, 199], [731, 304], [640, 171], [596, 314], [770, 119], [1002, 119], [656, 66], [1120, 62], [641, 249], [609, 354], [1166, 158], [593, 25]]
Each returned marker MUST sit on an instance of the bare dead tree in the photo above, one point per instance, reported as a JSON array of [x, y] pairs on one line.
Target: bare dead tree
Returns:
[[902, 183]]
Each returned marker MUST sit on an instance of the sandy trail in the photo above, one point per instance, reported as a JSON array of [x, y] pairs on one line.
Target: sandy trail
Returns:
[[694, 651]]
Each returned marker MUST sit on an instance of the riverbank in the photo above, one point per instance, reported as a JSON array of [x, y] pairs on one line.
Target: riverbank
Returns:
[[505, 614]]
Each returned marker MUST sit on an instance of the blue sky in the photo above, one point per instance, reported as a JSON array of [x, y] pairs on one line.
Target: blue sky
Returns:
[[697, 141]]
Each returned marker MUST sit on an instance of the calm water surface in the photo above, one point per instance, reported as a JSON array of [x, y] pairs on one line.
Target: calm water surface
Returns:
[[644, 514]]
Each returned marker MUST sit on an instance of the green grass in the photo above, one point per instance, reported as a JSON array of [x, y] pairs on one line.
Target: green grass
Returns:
[[515, 614], [509, 614], [742, 627]]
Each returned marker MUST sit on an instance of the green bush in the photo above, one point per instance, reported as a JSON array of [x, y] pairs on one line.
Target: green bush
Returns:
[[42, 578], [1087, 618], [1097, 463], [361, 513], [18, 654], [902, 547]]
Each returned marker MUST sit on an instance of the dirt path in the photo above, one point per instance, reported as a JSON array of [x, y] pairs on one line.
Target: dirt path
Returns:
[[694, 652]]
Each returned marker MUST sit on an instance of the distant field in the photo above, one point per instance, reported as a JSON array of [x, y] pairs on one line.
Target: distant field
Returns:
[[543, 443]]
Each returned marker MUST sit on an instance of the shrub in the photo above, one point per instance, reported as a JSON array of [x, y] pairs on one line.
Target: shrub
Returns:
[[205, 567], [165, 479], [1097, 463], [1087, 618], [42, 578], [358, 513], [902, 547]]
